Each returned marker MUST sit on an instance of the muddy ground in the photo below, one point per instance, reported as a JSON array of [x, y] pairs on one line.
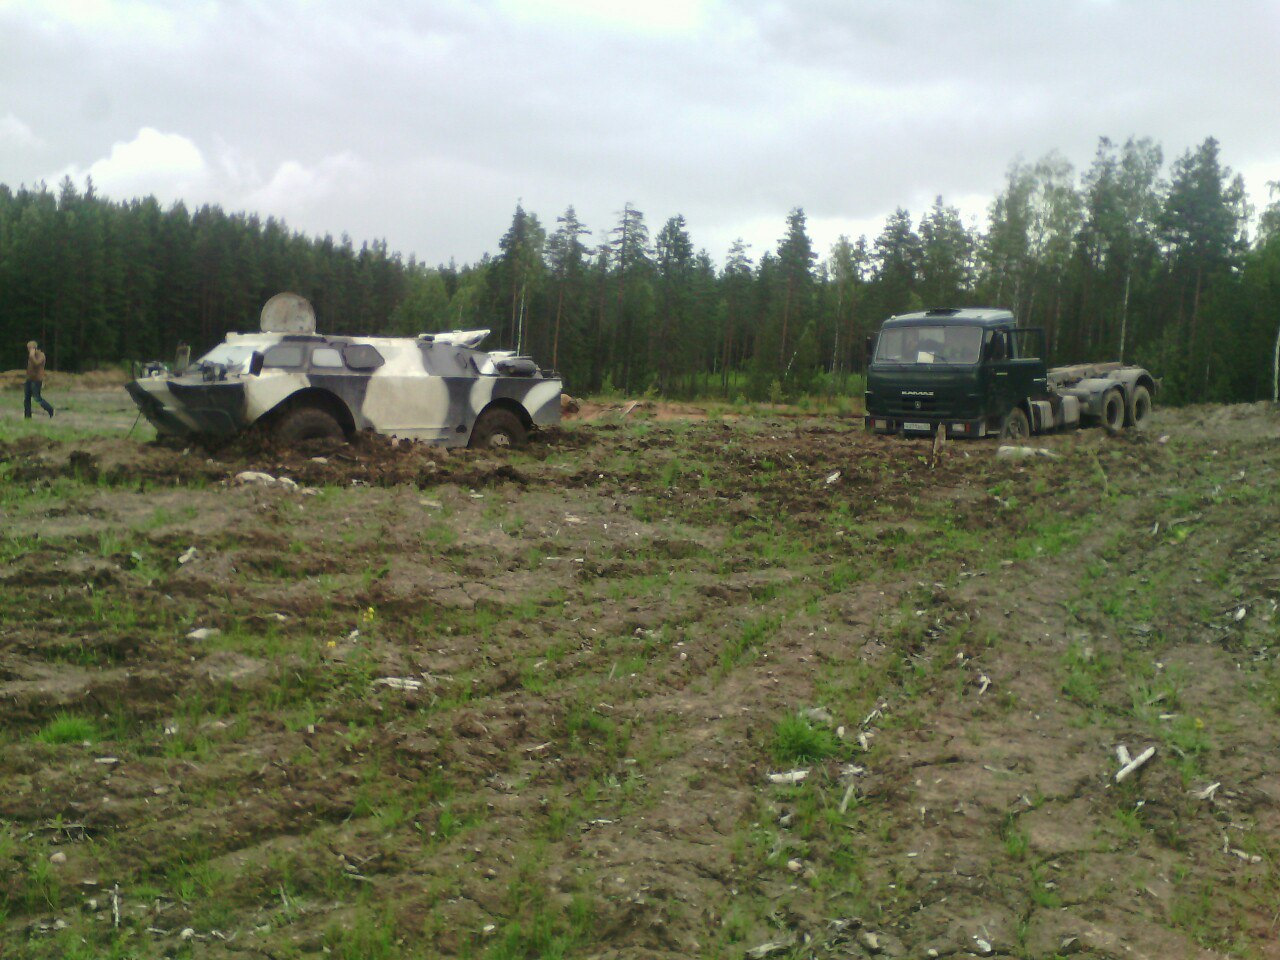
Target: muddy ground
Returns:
[[424, 704]]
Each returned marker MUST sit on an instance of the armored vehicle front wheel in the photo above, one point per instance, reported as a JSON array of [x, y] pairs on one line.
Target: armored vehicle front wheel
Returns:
[[307, 423], [498, 428]]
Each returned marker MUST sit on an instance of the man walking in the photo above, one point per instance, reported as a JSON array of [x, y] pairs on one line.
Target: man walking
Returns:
[[35, 380]]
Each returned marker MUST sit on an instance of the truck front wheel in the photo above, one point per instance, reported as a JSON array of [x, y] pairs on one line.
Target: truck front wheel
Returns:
[[1015, 427], [1113, 411]]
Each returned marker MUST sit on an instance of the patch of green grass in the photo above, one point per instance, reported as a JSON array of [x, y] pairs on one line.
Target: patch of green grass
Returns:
[[797, 739], [1128, 820], [1083, 668], [1042, 894], [369, 934], [42, 890], [743, 644], [1016, 842], [68, 728], [1188, 740], [536, 928]]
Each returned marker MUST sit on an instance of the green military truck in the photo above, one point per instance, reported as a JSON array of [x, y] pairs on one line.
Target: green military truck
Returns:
[[975, 373]]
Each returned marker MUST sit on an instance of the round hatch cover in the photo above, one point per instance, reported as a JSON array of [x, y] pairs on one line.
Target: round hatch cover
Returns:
[[288, 313]]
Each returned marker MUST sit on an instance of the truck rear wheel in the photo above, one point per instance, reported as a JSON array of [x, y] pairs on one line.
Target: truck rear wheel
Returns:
[[1015, 426], [1113, 411], [1140, 407]]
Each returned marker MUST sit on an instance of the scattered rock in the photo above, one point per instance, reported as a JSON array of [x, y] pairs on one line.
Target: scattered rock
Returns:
[[769, 949], [253, 477], [58, 857], [399, 683], [1006, 452]]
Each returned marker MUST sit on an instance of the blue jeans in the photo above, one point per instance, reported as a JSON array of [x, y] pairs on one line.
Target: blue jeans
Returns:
[[32, 392]]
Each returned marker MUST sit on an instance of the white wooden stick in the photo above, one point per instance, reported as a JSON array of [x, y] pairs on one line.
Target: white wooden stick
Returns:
[[1135, 763]]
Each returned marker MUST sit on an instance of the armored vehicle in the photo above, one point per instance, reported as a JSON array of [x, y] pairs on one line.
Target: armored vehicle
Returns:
[[302, 385], [976, 373]]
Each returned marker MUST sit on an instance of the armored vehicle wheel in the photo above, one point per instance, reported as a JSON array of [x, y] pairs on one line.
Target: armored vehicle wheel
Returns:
[[1113, 411], [1140, 407], [1015, 426], [307, 423], [498, 428]]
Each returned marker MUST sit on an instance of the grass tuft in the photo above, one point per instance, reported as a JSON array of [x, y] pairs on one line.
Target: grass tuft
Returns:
[[68, 728], [796, 739]]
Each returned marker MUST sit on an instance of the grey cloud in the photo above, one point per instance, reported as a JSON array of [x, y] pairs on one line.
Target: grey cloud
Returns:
[[449, 112]]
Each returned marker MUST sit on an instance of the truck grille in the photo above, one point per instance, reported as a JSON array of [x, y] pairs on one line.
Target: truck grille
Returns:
[[906, 406]]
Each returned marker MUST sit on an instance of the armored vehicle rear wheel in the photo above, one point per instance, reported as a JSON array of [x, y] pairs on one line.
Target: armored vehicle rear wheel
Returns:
[[1140, 407], [498, 428], [1015, 427], [307, 423], [1113, 411]]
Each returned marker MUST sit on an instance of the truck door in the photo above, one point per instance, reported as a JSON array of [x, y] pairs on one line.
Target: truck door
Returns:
[[997, 385], [1014, 371], [1027, 373]]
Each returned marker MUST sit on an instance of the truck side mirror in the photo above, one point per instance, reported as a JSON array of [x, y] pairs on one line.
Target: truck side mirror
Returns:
[[869, 349]]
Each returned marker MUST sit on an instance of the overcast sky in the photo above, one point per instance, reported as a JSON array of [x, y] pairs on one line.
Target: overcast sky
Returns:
[[425, 122]]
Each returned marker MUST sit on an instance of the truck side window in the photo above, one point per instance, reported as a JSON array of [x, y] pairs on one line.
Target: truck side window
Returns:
[[997, 350], [1027, 344]]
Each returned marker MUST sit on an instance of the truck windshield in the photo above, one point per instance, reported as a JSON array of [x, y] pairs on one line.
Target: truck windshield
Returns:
[[940, 344]]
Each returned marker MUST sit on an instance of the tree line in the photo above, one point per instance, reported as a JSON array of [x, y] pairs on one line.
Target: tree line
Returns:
[[1124, 260]]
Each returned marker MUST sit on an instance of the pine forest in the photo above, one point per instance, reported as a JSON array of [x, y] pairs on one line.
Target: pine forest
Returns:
[[1162, 265]]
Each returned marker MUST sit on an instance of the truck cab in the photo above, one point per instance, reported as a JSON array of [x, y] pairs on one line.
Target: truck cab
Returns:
[[974, 372], [962, 370]]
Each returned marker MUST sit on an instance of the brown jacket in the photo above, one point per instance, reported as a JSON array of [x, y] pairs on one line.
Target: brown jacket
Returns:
[[35, 365]]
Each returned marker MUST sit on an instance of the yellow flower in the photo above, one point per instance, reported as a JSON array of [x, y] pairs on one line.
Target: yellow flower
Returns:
[[331, 644], [1199, 724]]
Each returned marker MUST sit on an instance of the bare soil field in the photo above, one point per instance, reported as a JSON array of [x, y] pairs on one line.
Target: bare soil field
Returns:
[[653, 688]]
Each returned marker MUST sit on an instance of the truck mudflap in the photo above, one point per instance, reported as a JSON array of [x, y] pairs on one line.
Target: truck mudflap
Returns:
[[925, 426]]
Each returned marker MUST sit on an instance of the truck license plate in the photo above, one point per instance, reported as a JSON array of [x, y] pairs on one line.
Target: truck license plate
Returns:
[[916, 426]]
